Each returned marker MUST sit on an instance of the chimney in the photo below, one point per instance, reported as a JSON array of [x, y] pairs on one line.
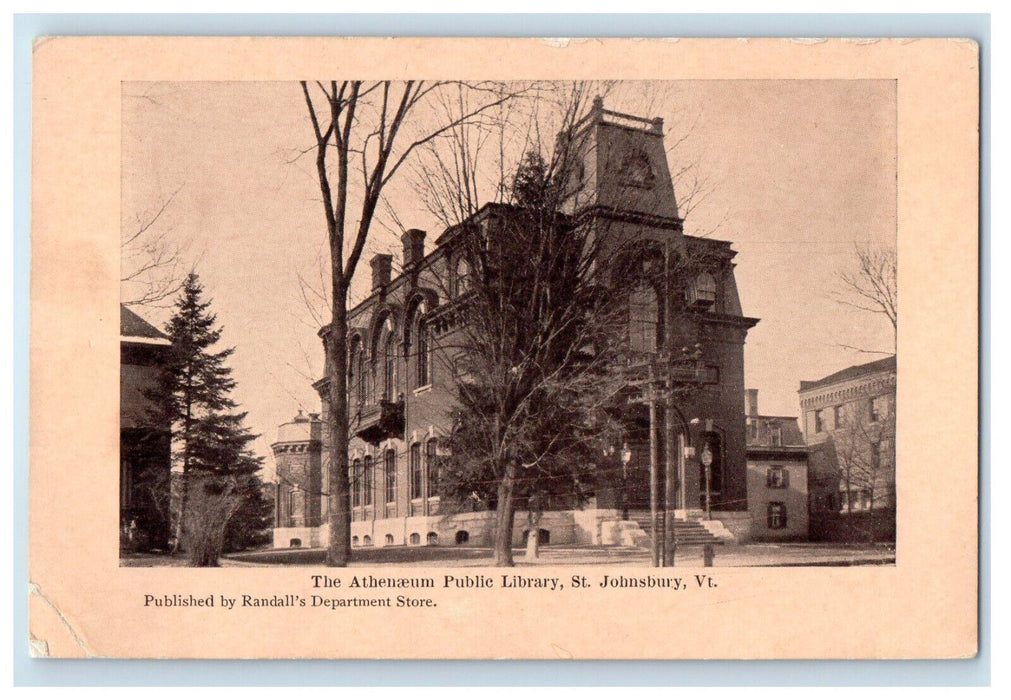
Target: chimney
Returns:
[[382, 265], [414, 246], [752, 402]]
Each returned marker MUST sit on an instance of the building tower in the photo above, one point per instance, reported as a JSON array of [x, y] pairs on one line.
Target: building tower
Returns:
[[298, 483]]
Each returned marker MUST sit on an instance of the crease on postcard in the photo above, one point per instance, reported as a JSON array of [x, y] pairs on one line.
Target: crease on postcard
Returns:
[[50, 632]]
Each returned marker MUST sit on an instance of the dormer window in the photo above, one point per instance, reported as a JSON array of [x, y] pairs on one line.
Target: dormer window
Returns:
[[462, 276], [702, 293]]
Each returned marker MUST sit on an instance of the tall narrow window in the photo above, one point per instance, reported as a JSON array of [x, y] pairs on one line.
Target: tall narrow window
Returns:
[[391, 476], [353, 375], [643, 317], [423, 355], [363, 378], [416, 483], [390, 369], [356, 483], [367, 481], [432, 464]]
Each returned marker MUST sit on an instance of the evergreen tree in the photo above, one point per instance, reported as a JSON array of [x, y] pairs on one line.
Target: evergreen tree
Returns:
[[218, 474]]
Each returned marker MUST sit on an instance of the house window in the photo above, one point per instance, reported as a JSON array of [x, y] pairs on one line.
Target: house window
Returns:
[[879, 408], [391, 476], [356, 483], [367, 481], [416, 483], [777, 515], [777, 477], [432, 464], [643, 319], [837, 416], [819, 421], [389, 539], [291, 502]]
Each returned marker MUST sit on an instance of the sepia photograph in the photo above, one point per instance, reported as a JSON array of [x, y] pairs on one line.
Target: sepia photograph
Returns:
[[486, 323], [475, 348]]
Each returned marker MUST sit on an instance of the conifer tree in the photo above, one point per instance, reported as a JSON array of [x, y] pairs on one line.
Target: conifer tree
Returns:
[[217, 473]]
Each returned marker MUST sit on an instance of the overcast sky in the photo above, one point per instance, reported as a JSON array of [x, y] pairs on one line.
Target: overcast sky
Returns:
[[800, 171]]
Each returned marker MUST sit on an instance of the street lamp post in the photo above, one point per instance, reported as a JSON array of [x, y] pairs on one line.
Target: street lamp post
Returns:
[[626, 457], [707, 462]]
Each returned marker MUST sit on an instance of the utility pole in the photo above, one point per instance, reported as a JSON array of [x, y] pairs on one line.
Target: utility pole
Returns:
[[670, 473], [654, 473]]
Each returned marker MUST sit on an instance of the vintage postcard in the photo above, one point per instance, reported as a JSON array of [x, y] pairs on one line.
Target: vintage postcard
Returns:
[[504, 348]]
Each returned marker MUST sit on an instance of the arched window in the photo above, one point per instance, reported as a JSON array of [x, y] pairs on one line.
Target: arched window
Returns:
[[415, 538], [433, 538], [353, 375], [643, 319], [462, 276], [416, 337], [363, 377], [389, 539], [424, 358], [390, 368], [367, 481]]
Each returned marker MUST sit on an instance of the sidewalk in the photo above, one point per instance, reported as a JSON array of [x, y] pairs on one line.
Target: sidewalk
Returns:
[[756, 554]]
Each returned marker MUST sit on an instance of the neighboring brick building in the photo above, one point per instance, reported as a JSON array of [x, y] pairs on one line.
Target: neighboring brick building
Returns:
[[403, 370], [849, 426], [777, 475], [144, 442]]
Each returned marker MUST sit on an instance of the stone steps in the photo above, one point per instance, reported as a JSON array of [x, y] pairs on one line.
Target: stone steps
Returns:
[[687, 532]]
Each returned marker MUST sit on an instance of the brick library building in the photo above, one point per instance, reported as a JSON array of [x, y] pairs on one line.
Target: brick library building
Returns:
[[403, 371]]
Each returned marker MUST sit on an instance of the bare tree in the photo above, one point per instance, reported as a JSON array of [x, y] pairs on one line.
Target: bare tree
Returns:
[[371, 129], [872, 286], [540, 320], [153, 262], [864, 447]]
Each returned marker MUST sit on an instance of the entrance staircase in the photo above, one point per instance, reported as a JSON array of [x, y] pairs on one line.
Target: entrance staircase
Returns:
[[687, 532]]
